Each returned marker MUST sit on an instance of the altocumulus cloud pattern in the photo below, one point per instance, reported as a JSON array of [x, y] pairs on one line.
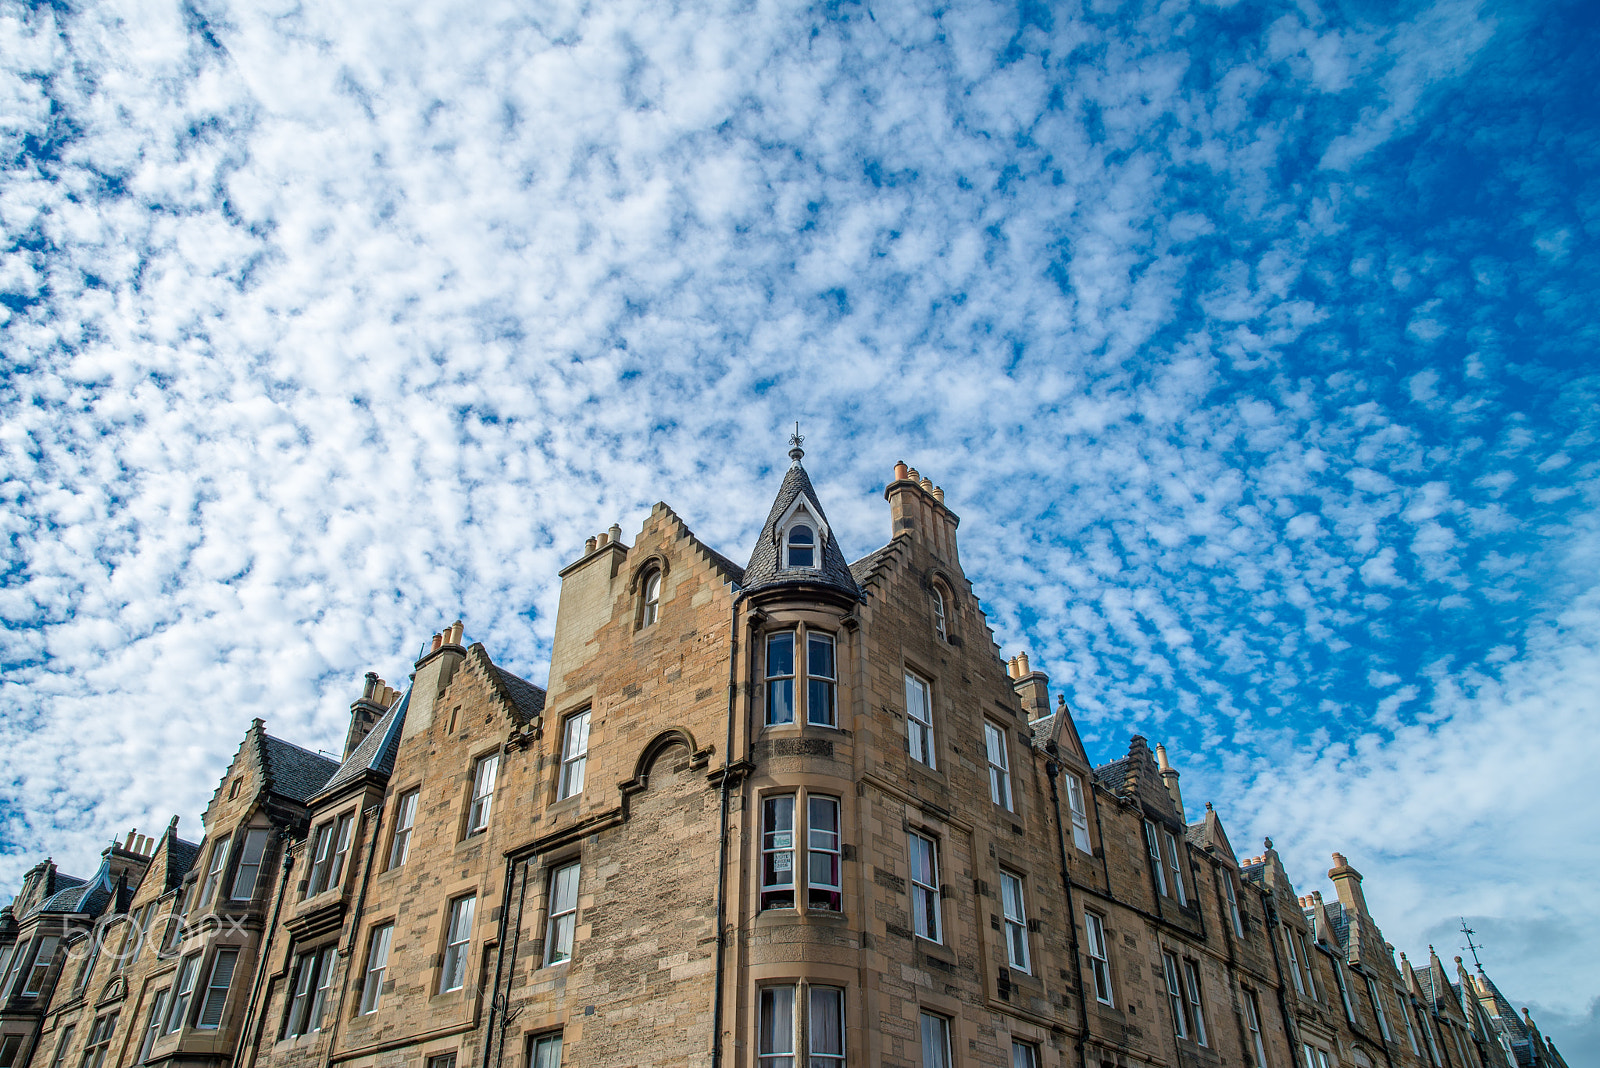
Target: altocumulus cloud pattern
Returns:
[[1255, 343]]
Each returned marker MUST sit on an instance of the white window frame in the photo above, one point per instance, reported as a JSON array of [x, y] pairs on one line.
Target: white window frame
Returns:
[[546, 1051], [1252, 1018], [816, 1057], [1344, 991], [574, 754], [1405, 1013], [824, 892], [1099, 957], [99, 1041], [67, 1033], [821, 688], [939, 627], [925, 901], [219, 861], [919, 720], [182, 991], [1175, 1002], [343, 833], [248, 871], [1153, 847], [802, 519], [999, 757], [215, 1002], [780, 678], [1305, 960], [1014, 910], [307, 985], [485, 770], [935, 1033], [457, 944], [775, 1026], [1232, 891], [321, 856], [1182, 893], [652, 600], [1078, 805], [405, 821], [39, 962], [152, 1024], [1024, 1054], [1197, 1007], [1377, 1008], [1294, 963], [778, 849], [561, 924], [378, 944]]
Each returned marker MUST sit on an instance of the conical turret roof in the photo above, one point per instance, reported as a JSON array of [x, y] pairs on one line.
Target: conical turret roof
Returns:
[[766, 568]]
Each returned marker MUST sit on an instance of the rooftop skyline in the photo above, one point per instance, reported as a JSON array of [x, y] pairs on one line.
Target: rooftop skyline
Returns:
[[1253, 344]]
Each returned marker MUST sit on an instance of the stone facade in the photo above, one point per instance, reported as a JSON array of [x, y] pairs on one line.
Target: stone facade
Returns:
[[794, 813]]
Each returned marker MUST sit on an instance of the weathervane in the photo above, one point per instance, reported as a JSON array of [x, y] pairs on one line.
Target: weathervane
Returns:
[[1471, 946], [795, 451]]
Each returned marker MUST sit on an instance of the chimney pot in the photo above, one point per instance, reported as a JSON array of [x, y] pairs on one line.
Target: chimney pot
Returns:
[[589, 546], [615, 532], [901, 471], [912, 475], [926, 484], [938, 494], [1022, 664], [438, 640], [455, 633], [601, 539], [127, 844]]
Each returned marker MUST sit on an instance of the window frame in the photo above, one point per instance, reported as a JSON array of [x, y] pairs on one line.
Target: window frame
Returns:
[[574, 757], [1377, 1008], [212, 999], [252, 836], [405, 822], [650, 597], [539, 1048], [1252, 1019], [480, 802], [926, 899], [780, 679], [1078, 805], [1197, 1006], [308, 987], [941, 1038], [802, 520], [1294, 963], [1175, 1001], [822, 689], [561, 916], [830, 1059], [453, 961], [1153, 849], [995, 743], [101, 1032], [1029, 1052], [1014, 926], [183, 985], [41, 956], [921, 742], [68, 1032], [1344, 992], [379, 943], [770, 1029], [1094, 929], [1231, 890], [1177, 862], [941, 629], [800, 844], [214, 872], [154, 1019]]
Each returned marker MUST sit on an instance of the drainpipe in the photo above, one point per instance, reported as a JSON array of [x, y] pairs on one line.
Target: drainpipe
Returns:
[[374, 819], [722, 856], [513, 858], [267, 937], [516, 942], [1051, 769]]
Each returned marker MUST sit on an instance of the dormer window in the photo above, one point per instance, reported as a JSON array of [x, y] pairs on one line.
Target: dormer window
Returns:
[[802, 546]]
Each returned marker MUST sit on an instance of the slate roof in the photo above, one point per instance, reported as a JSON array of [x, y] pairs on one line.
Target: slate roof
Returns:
[[376, 751], [295, 773], [763, 571], [528, 698], [1339, 921], [863, 569], [181, 856], [1041, 728]]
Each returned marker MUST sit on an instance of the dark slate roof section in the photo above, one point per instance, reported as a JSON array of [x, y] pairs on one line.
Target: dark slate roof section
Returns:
[[528, 698], [296, 773], [1041, 728], [1255, 873], [181, 856], [763, 570], [1425, 983], [377, 749], [1340, 922], [863, 569], [1113, 776]]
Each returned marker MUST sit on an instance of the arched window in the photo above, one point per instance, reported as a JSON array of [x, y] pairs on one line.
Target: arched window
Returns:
[[938, 612], [652, 598], [802, 546]]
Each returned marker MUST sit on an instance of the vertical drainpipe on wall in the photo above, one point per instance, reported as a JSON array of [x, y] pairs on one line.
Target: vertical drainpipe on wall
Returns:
[[722, 855], [374, 817], [265, 952], [1051, 769], [513, 858], [516, 942]]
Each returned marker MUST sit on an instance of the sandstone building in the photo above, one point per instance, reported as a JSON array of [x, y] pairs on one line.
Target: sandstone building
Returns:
[[794, 814]]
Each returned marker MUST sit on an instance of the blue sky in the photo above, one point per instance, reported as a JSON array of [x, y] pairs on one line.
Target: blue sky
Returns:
[[1252, 342]]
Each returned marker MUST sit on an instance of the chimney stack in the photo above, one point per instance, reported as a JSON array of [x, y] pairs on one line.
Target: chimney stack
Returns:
[[917, 508], [1347, 881], [1169, 778], [1032, 687]]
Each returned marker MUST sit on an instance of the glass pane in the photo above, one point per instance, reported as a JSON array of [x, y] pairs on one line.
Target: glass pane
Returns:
[[780, 701], [565, 894], [935, 1042], [827, 1021], [819, 702], [777, 1020], [801, 535], [1022, 1056], [819, 661], [547, 1052], [780, 655]]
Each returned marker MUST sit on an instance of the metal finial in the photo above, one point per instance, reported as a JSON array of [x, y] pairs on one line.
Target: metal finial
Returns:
[[1471, 946], [795, 440]]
